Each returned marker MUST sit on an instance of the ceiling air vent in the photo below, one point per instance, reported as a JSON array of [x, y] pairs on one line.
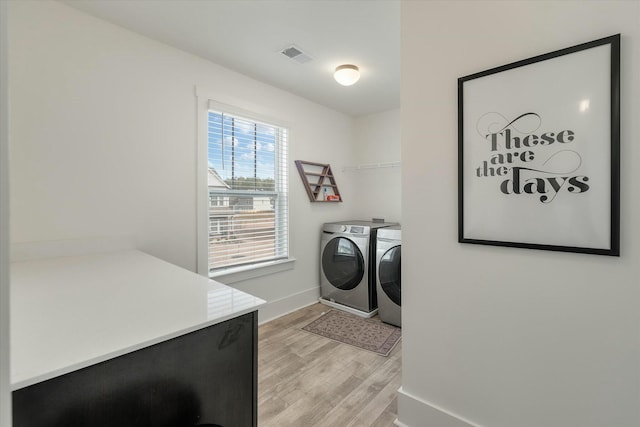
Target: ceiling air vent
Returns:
[[294, 53]]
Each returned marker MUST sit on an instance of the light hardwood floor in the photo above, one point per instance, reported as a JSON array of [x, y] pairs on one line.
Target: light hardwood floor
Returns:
[[305, 380]]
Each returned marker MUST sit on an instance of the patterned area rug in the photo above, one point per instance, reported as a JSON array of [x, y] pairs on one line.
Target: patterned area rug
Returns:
[[367, 334]]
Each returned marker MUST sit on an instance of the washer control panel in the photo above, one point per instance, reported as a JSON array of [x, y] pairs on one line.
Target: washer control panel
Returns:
[[356, 229]]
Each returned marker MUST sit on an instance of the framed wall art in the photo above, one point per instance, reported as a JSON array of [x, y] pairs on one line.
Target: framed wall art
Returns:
[[539, 152]]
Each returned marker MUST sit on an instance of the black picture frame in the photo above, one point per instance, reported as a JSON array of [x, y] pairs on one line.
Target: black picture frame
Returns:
[[539, 152]]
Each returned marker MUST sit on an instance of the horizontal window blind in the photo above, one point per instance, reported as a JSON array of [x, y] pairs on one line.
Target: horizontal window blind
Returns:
[[247, 181]]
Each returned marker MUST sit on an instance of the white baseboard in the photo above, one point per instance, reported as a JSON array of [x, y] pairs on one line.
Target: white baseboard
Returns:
[[415, 412], [278, 308]]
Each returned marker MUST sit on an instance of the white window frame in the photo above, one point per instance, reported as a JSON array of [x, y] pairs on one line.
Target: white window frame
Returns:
[[232, 274]]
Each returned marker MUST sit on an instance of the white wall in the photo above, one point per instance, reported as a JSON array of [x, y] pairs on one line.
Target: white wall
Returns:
[[104, 142], [5, 395], [510, 337], [377, 142]]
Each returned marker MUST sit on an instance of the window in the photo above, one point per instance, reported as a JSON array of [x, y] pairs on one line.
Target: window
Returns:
[[247, 190]]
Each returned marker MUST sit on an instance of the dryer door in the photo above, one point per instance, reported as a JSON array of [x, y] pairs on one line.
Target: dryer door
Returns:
[[389, 274], [343, 263]]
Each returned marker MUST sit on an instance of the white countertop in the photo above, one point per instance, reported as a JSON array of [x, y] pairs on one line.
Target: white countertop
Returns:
[[71, 312]]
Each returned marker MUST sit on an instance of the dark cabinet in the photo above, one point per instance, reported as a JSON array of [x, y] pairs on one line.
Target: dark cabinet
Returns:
[[206, 377]]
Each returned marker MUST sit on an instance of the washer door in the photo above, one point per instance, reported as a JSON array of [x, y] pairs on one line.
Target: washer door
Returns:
[[389, 274], [342, 263]]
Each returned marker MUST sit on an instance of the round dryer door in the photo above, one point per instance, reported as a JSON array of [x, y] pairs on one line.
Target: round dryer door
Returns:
[[342, 263], [389, 274]]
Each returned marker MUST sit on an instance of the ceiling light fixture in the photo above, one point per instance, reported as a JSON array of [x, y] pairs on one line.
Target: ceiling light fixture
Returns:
[[347, 74]]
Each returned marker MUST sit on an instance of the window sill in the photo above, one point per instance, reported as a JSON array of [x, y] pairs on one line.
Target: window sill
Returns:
[[246, 272]]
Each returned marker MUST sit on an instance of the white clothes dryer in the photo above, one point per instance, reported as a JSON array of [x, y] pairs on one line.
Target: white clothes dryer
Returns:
[[388, 274], [347, 264]]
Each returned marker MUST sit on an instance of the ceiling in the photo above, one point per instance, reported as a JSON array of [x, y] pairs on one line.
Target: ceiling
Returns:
[[248, 36]]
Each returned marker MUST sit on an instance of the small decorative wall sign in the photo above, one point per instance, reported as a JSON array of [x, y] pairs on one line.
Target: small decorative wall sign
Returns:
[[539, 152]]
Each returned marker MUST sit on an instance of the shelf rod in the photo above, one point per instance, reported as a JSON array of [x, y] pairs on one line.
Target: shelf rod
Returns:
[[372, 166]]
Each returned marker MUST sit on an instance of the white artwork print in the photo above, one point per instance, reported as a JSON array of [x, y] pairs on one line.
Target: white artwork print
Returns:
[[536, 157]]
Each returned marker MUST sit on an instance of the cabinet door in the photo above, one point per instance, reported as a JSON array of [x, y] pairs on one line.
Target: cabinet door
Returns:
[[205, 377]]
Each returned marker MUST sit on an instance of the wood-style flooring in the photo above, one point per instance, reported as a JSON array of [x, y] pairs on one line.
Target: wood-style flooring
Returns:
[[305, 380]]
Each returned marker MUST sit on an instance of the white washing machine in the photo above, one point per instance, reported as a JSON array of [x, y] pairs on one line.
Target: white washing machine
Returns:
[[347, 265], [388, 277]]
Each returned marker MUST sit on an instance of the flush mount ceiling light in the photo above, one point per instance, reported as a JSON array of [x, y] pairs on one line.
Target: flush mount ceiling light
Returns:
[[347, 74]]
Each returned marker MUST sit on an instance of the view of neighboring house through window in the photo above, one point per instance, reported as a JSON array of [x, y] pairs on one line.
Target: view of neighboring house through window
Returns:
[[247, 181]]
